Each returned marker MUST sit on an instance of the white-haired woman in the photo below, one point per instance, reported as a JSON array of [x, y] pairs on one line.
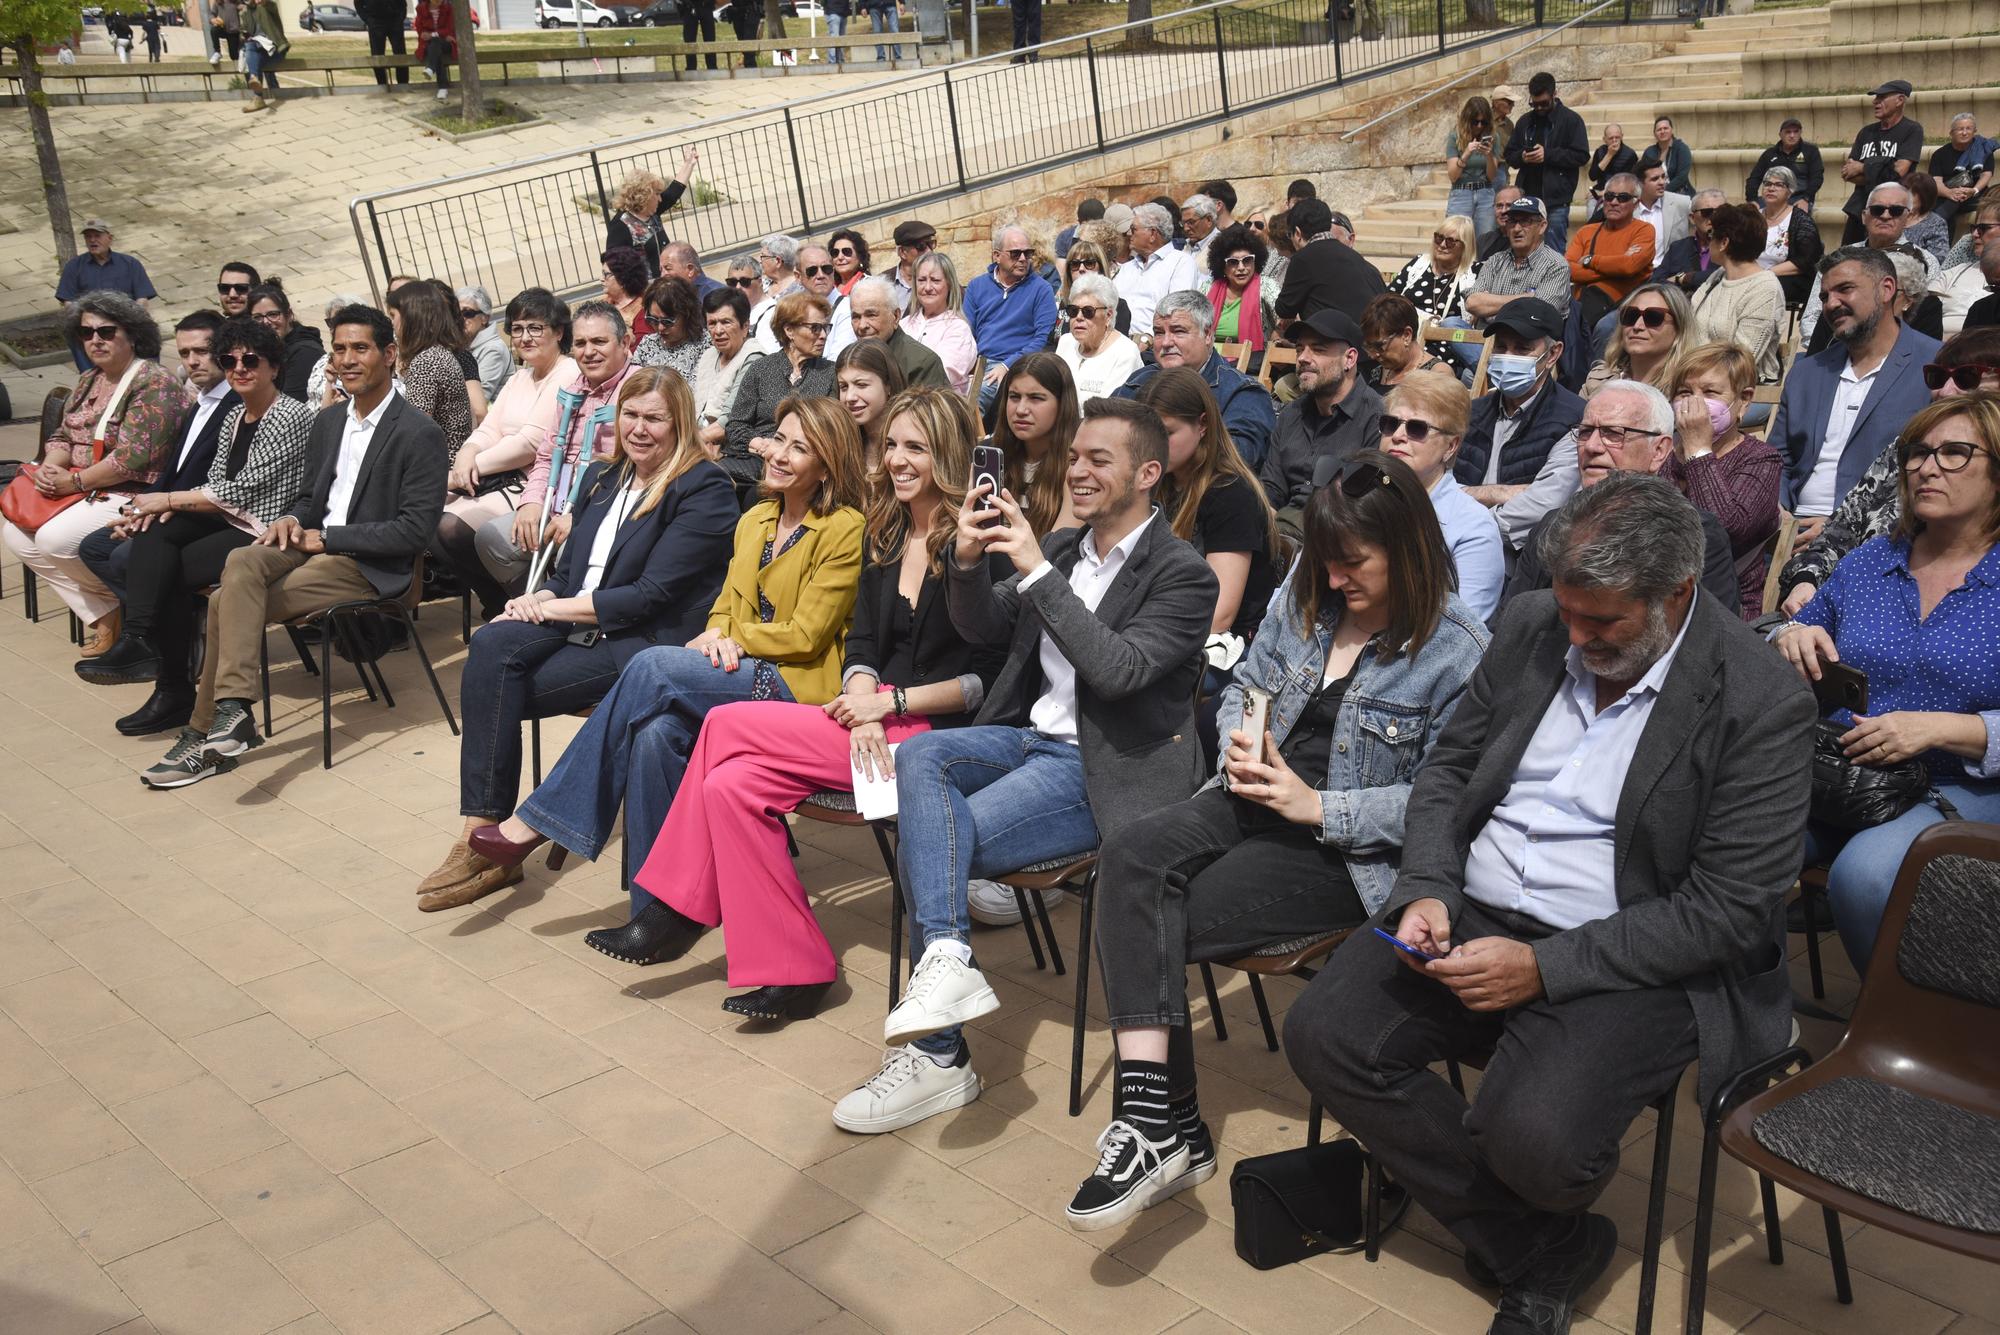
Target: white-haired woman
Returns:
[[1098, 355]]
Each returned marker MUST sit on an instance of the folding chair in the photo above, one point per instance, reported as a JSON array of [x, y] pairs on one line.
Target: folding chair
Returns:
[[1299, 958], [1236, 354], [1435, 333], [1781, 546], [1277, 355]]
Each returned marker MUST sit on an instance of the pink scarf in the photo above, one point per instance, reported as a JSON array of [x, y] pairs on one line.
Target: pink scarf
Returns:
[[1249, 315]]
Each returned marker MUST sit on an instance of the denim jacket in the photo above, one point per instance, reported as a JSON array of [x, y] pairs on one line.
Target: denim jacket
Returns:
[[1390, 716]]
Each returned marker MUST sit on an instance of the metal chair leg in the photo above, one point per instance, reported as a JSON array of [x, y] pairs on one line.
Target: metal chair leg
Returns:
[[1089, 898], [1656, 1211], [1372, 1224], [896, 931], [1704, 1227], [424, 657], [1314, 1118], [1808, 895], [1263, 1012], [1453, 1074], [1774, 1237], [1214, 1004], [264, 675], [535, 749], [1836, 1250], [1028, 926], [326, 702], [31, 596], [1048, 932]]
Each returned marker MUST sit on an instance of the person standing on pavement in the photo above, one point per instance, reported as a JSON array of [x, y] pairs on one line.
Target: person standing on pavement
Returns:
[[101, 269], [385, 20], [698, 14], [155, 43]]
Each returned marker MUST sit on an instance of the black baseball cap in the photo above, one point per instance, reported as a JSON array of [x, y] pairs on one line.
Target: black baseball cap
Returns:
[[1529, 207], [1329, 323], [1528, 315], [1893, 86]]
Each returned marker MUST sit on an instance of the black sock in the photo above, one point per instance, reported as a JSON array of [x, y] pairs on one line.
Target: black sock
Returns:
[[1187, 1117], [1142, 1098]]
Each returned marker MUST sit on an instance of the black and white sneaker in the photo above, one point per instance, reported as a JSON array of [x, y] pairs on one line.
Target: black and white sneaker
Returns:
[[188, 761], [234, 731], [1132, 1173], [1201, 1161]]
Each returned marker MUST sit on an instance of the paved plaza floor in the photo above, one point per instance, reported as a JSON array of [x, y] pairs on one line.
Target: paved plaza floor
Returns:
[[245, 1086]]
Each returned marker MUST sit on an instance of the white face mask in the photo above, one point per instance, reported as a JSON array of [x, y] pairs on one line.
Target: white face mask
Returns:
[[1511, 373]]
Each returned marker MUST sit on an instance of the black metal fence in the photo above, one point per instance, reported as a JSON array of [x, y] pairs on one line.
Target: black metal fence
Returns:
[[845, 158]]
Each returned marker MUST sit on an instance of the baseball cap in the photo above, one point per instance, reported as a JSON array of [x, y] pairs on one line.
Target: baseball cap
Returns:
[[1893, 86], [915, 233], [1328, 323], [97, 225], [1119, 216], [1530, 207], [1528, 315], [1507, 92]]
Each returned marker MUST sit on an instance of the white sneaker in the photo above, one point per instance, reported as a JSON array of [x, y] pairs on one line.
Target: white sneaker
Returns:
[[993, 904], [443, 94], [944, 991], [908, 1088]]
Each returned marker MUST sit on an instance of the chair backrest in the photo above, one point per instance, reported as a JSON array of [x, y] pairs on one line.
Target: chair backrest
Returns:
[[1236, 354], [1780, 547], [1930, 1002], [52, 415], [972, 385], [1437, 333], [1275, 356]]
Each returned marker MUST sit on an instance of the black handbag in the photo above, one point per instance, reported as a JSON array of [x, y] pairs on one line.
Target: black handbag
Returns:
[[1305, 1202], [1850, 796], [511, 480]]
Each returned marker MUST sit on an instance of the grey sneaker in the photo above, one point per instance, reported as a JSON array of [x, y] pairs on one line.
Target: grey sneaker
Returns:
[[188, 761], [234, 731]]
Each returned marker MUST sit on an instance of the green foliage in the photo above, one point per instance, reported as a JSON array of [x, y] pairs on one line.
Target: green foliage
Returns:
[[44, 22]]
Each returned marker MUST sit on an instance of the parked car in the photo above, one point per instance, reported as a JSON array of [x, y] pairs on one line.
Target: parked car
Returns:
[[331, 18], [663, 14], [791, 9], [561, 14]]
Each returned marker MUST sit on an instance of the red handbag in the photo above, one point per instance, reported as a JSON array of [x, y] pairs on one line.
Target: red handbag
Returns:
[[28, 509]]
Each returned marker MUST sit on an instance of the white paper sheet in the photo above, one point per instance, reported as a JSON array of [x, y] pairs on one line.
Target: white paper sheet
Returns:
[[874, 798]]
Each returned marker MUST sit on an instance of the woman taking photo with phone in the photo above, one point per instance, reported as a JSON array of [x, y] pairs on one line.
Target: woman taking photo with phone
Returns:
[[721, 859], [1473, 166], [1918, 613], [1361, 661]]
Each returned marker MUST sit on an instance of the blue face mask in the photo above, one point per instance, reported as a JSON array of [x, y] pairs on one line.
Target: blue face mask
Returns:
[[1511, 374]]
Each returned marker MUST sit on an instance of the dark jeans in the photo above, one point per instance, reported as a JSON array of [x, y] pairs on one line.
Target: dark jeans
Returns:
[[702, 15], [1558, 234], [108, 557], [1211, 878], [1855, 231], [515, 671], [437, 59], [164, 566], [745, 18], [1027, 23], [1539, 1141], [387, 39]]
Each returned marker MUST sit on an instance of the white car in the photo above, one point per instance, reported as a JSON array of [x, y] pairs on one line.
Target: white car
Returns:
[[562, 14]]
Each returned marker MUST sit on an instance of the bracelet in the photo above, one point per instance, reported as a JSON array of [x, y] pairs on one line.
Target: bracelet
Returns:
[[899, 700]]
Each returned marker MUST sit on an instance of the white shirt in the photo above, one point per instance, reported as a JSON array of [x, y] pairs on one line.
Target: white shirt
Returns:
[[204, 408], [1103, 371], [356, 435], [1656, 215], [841, 335], [1821, 492], [607, 533], [1549, 850], [1143, 282], [1054, 714]]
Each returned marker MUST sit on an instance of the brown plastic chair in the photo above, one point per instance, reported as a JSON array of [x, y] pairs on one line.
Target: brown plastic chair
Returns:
[[1917, 1071], [1297, 958]]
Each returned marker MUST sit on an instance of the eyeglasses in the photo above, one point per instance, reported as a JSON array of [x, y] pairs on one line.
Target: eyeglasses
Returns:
[[268, 317], [814, 326], [1079, 311], [528, 331], [1966, 377], [232, 289], [1887, 210], [249, 361], [1445, 239], [1952, 456], [742, 280], [1414, 429], [1619, 197], [1241, 262], [1654, 316], [817, 270], [1979, 230], [1015, 254], [1614, 436], [96, 333], [467, 313], [1357, 477]]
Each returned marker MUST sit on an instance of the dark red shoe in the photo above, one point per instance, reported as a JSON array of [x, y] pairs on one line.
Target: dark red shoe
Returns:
[[489, 843]]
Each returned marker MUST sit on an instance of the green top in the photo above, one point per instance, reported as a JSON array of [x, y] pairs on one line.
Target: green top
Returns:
[[264, 20]]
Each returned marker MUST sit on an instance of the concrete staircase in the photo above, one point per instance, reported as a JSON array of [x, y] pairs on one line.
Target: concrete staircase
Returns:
[[1729, 82]]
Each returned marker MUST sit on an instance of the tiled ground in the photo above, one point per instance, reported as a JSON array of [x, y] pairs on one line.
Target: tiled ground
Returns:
[[245, 1086]]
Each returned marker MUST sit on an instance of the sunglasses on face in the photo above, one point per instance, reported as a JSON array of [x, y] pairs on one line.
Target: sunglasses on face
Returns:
[[1016, 254], [1256, 226], [1357, 477], [1619, 197], [1952, 456], [232, 289], [1414, 429], [467, 313], [1966, 377], [843, 252], [1241, 262], [1082, 312], [249, 361], [1445, 239], [1654, 316], [742, 280], [818, 270], [1091, 265], [1703, 213], [1887, 210], [97, 333]]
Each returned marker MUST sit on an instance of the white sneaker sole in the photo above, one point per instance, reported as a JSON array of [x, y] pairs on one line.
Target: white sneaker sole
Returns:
[[1143, 1198], [1011, 914], [233, 745], [940, 1102], [911, 1027]]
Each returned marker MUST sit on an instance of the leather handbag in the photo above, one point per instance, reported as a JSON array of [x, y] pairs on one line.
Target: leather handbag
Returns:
[[1851, 796], [25, 507], [1304, 1202]]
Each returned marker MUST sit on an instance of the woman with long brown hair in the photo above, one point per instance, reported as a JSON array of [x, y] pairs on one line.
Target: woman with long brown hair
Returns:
[[647, 550], [429, 337], [1473, 165], [1038, 418], [907, 670], [866, 380]]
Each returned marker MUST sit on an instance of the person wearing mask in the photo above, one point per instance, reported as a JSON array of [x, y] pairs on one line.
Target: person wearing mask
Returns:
[[936, 321], [1548, 150], [1325, 273], [865, 380], [1611, 158], [874, 314], [1183, 335], [1334, 415], [1670, 153], [1724, 471], [1010, 309], [1885, 150], [1515, 425], [1099, 357], [719, 373], [1423, 422], [1795, 155]]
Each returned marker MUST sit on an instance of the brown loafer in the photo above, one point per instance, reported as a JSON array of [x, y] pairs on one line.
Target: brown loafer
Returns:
[[103, 635], [477, 886], [458, 864], [498, 849]]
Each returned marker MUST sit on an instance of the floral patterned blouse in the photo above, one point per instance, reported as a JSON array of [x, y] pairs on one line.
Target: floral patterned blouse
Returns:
[[764, 677], [141, 437], [682, 357]]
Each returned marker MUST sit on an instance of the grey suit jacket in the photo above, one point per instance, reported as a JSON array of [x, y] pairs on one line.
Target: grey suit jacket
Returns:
[[1710, 827], [396, 500], [1135, 661]]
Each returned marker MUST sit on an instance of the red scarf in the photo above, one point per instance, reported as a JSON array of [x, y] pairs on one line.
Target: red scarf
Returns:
[[1249, 314]]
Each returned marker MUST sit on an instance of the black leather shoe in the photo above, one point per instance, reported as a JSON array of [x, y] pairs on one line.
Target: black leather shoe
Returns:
[[163, 712], [1542, 1301], [656, 934], [778, 1002], [129, 661]]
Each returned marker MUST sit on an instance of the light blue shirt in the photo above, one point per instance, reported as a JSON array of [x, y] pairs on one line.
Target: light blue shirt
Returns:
[[1549, 848], [1473, 535]]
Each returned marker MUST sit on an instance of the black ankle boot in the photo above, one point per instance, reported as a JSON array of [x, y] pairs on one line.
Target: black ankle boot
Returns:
[[779, 1002], [165, 709], [656, 934], [131, 660]]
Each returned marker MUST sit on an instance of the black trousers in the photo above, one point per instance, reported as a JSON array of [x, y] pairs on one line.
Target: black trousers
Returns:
[[702, 16], [1855, 231], [744, 17], [387, 39], [1211, 878], [1027, 23], [167, 563], [438, 60], [1539, 1139]]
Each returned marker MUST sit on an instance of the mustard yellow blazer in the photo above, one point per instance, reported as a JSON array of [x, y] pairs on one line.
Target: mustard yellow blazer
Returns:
[[812, 586]]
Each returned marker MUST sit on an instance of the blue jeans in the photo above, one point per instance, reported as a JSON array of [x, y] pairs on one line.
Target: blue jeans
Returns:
[[887, 20], [254, 61], [1864, 865], [517, 670], [836, 26], [1476, 204], [633, 752], [980, 802], [1557, 236]]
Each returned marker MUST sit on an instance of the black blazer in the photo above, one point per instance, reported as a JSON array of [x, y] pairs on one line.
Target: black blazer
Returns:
[[194, 472], [396, 500], [938, 653], [1328, 273], [665, 567]]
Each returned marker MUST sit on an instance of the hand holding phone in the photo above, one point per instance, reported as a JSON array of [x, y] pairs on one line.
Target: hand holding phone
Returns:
[[989, 467], [1256, 720], [1841, 686], [1406, 947]]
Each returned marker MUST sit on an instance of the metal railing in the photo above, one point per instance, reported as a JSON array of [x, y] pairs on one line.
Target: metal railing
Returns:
[[844, 158]]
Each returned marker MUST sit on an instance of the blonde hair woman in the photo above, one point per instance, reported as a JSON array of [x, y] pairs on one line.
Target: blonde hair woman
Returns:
[[637, 209]]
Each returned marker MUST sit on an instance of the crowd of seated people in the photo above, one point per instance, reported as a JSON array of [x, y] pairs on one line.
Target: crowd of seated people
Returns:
[[744, 528]]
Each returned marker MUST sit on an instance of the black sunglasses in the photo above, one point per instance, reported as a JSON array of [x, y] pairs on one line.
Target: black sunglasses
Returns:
[[1887, 210], [232, 289], [1414, 429], [1083, 264], [817, 270], [1966, 377], [741, 281], [1704, 213], [249, 361], [1654, 316], [843, 252], [91, 333], [467, 313], [1619, 197], [1017, 254], [1087, 312], [1357, 477]]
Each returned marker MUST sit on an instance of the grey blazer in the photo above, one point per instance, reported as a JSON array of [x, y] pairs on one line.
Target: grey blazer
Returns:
[[1135, 661], [396, 500], [1710, 828]]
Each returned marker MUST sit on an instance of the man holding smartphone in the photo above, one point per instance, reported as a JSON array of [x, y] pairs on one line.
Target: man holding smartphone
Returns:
[[1089, 726]]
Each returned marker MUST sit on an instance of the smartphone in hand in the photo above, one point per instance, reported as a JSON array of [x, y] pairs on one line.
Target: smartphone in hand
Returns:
[[1841, 686], [1405, 946], [989, 466], [1256, 720]]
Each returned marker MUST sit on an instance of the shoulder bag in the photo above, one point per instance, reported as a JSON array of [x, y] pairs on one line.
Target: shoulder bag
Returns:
[[27, 508], [1305, 1202]]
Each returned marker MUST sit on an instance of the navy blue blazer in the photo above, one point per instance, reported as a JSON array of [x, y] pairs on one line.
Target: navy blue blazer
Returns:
[[1799, 426], [665, 567], [193, 472]]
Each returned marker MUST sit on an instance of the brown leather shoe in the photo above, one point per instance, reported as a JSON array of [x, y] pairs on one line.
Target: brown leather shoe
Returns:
[[477, 886], [458, 864], [103, 634]]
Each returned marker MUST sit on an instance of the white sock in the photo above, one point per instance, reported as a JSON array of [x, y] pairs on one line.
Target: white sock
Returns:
[[956, 949]]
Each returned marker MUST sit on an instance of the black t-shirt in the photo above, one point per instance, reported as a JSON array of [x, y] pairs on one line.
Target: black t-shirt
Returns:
[[1877, 150], [467, 363], [1945, 162], [239, 448], [1309, 745], [1231, 520]]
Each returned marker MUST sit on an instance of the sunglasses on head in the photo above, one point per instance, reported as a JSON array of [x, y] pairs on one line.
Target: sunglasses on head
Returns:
[[1887, 210], [232, 289], [1414, 429], [1966, 377], [1619, 197], [1654, 316], [1357, 477], [249, 361], [817, 270], [93, 333]]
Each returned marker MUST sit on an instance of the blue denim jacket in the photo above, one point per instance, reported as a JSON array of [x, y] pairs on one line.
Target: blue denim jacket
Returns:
[[1392, 713]]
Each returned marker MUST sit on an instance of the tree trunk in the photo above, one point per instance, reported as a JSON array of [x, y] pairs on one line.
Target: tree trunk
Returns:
[[53, 188], [1482, 13], [774, 18], [1138, 11], [468, 62]]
